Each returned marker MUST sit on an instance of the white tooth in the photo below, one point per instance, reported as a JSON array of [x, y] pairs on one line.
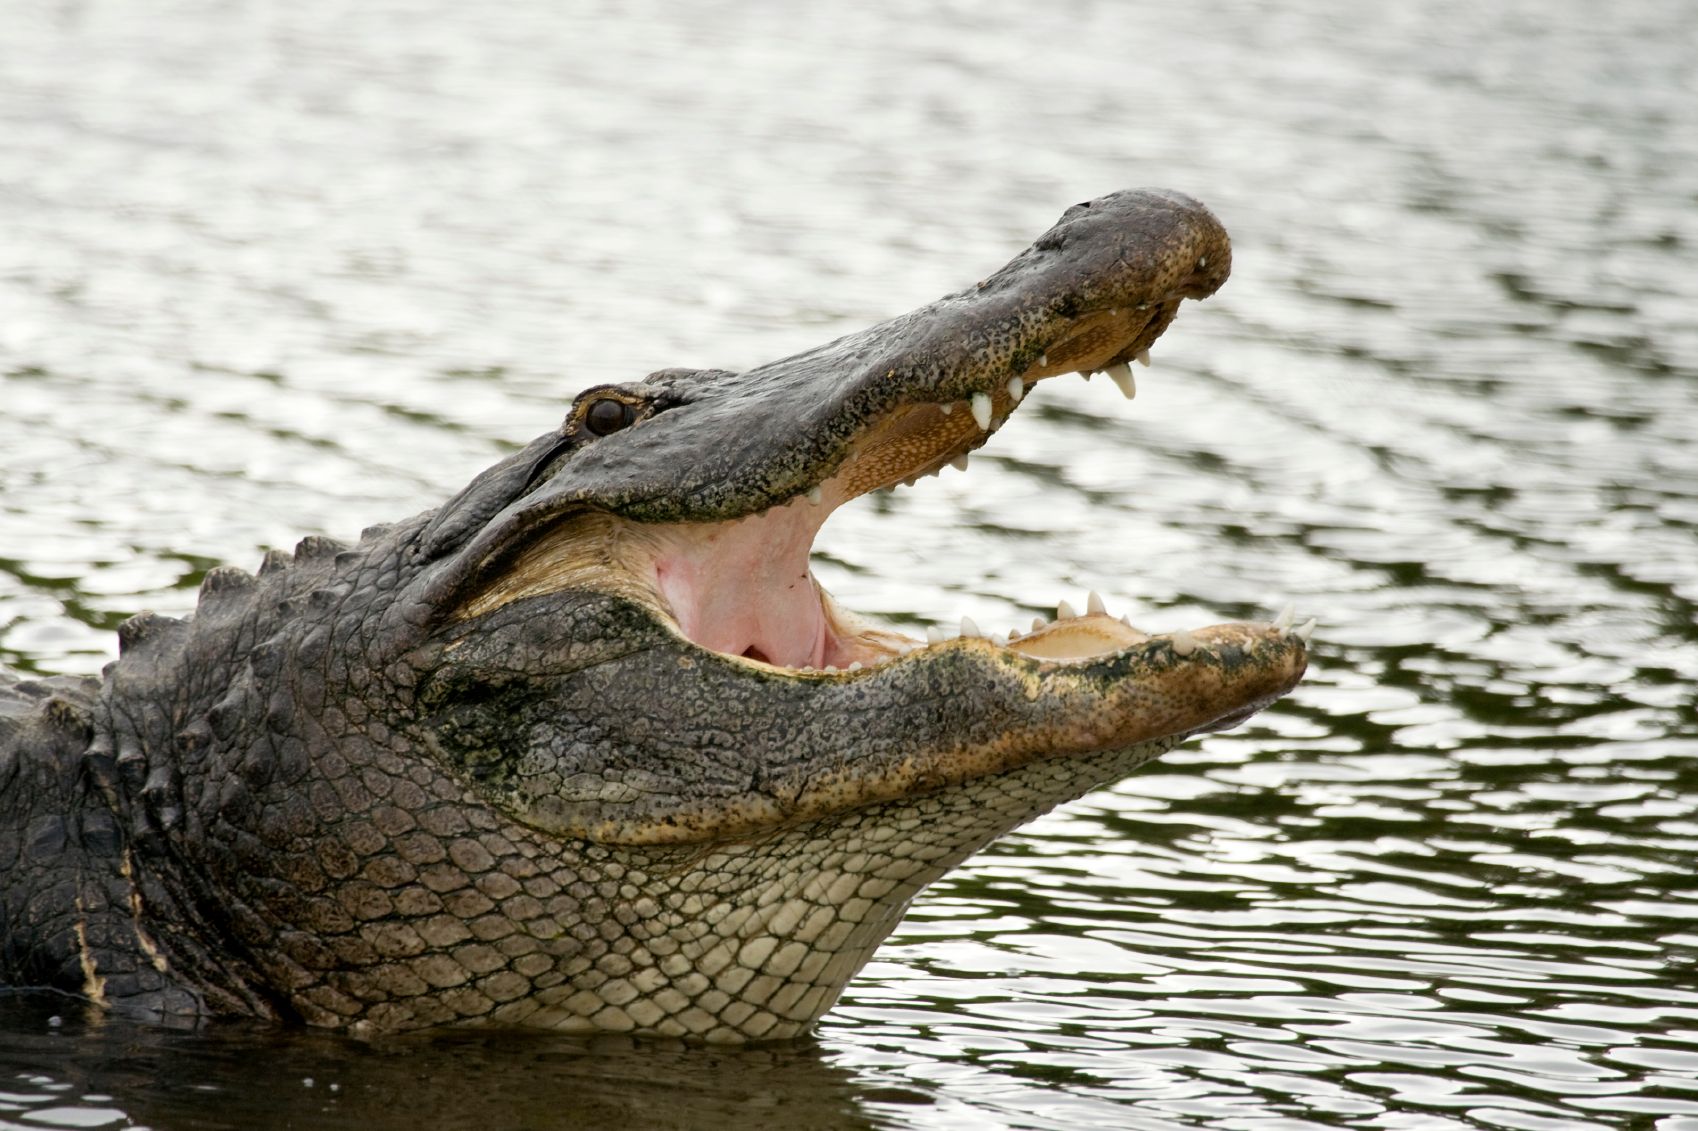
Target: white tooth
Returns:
[[854, 666], [1126, 619], [829, 668], [1013, 634], [1183, 643], [814, 495], [959, 463], [1306, 630], [1043, 359], [934, 634], [1143, 358], [1094, 604], [1202, 261], [946, 408], [806, 668], [1038, 623], [1286, 616], [1086, 373], [1121, 375], [1064, 611], [1000, 640], [981, 407], [1016, 389], [968, 628]]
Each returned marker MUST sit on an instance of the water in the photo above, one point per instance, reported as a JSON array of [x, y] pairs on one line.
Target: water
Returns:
[[268, 270]]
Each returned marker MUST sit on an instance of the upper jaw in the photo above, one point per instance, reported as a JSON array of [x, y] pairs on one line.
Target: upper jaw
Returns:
[[1092, 292]]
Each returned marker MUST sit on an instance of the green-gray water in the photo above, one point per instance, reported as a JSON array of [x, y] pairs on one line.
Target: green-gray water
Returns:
[[277, 269]]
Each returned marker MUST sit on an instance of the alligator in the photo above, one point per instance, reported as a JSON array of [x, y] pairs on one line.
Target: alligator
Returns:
[[588, 747]]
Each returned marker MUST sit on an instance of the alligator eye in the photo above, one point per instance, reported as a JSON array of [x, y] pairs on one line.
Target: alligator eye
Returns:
[[609, 415]]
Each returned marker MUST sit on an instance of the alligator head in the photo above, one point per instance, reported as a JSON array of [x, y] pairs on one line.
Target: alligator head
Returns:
[[589, 747]]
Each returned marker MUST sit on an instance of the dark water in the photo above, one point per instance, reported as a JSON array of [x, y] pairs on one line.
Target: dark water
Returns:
[[272, 269]]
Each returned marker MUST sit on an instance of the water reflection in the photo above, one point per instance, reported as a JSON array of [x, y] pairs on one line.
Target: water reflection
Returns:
[[64, 1067]]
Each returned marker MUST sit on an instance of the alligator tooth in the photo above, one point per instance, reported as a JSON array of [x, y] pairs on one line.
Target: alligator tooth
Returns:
[[1202, 261], [1306, 629], [1094, 604], [981, 407], [1016, 389], [968, 628], [959, 463], [1038, 623], [814, 495], [934, 634], [946, 408], [854, 666], [1183, 643], [1013, 634], [1286, 616], [1043, 359], [999, 640], [1086, 373], [829, 668], [1143, 357], [1121, 374], [1126, 619], [1064, 611]]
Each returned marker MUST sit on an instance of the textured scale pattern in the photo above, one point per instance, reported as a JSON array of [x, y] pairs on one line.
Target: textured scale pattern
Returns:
[[427, 907]]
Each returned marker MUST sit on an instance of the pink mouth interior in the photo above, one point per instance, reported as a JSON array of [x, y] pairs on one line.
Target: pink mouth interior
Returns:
[[745, 587]]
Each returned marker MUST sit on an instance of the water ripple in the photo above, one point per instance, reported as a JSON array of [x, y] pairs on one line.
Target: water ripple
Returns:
[[276, 271]]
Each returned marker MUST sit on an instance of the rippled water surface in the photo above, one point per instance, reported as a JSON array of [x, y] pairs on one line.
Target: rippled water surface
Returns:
[[275, 269]]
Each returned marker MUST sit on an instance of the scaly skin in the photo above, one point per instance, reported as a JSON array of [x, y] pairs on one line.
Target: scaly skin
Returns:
[[478, 767]]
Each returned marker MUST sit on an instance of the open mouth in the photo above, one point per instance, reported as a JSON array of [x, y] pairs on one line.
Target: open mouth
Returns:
[[703, 506], [744, 588]]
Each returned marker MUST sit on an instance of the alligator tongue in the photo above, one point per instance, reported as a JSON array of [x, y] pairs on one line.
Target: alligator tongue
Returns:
[[744, 587]]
